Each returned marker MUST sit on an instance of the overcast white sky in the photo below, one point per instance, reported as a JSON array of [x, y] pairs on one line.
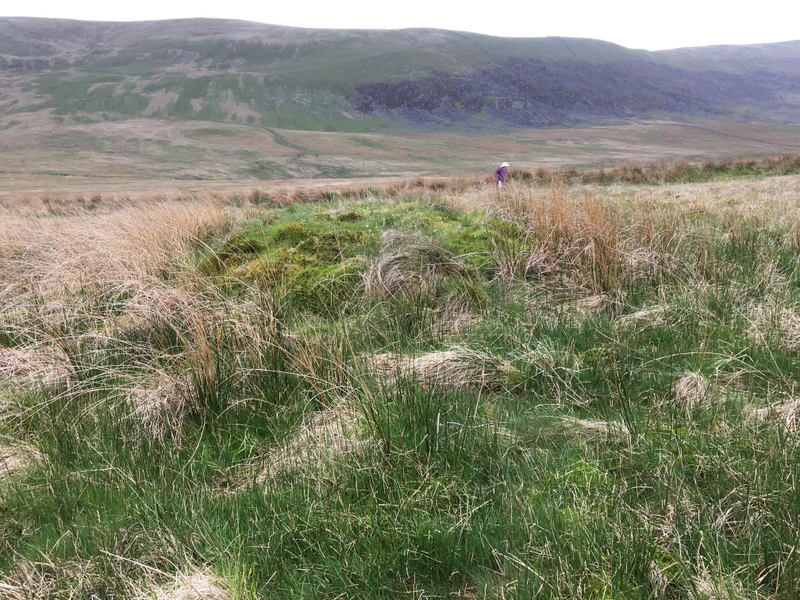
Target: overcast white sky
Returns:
[[630, 23]]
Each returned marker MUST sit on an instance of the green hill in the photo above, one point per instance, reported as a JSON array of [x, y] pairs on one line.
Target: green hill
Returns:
[[357, 80]]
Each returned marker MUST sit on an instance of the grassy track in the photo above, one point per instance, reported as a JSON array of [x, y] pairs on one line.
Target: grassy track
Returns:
[[564, 390]]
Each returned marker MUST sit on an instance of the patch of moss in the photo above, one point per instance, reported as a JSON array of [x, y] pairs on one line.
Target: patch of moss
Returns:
[[309, 285], [240, 245], [350, 216], [332, 246], [238, 248], [328, 289], [292, 233]]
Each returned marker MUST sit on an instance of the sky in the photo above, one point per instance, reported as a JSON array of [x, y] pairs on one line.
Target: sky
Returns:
[[635, 24]]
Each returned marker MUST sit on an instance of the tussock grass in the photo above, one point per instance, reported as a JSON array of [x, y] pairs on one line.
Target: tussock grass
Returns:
[[160, 405], [432, 389], [691, 390], [197, 586], [457, 368], [409, 264], [15, 458], [45, 365], [787, 413], [776, 326], [326, 436]]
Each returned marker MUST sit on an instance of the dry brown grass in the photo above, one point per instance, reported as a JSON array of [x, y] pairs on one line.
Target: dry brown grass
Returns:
[[409, 265], [324, 437], [620, 232], [73, 580], [160, 405], [196, 586], [35, 365], [16, 458], [691, 390], [458, 369], [787, 413], [574, 229], [45, 579], [712, 585], [647, 317], [597, 430], [772, 325], [117, 252]]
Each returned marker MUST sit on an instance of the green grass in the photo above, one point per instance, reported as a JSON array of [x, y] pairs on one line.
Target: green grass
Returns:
[[385, 397]]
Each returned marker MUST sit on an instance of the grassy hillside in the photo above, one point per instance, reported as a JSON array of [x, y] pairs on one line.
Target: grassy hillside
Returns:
[[560, 390], [360, 80]]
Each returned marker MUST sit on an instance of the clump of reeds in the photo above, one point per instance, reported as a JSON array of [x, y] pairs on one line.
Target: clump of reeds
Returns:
[[579, 234]]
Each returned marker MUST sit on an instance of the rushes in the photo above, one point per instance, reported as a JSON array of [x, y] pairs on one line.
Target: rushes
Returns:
[[559, 233], [559, 390]]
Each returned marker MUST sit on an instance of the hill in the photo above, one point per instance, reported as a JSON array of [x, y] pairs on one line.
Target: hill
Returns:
[[209, 99], [217, 70]]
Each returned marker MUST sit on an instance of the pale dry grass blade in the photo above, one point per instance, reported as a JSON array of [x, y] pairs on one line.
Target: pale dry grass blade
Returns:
[[787, 413], [196, 586], [325, 436], [457, 369], [596, 430], [595, 304], [656, 316], [45, 365], [16, 458]]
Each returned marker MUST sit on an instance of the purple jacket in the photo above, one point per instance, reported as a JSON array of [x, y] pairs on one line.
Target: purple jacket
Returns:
[[500, 175]]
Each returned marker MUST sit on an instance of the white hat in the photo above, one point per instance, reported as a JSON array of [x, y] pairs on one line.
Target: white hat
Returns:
[[505, 164]]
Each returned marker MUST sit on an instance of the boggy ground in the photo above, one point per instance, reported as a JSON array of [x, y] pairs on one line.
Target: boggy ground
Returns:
[[40, 158], [429, 389]]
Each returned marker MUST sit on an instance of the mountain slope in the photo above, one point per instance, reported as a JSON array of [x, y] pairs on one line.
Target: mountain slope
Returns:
[[335, 80]]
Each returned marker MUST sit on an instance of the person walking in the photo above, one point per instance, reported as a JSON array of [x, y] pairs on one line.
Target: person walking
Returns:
[[500, 174]]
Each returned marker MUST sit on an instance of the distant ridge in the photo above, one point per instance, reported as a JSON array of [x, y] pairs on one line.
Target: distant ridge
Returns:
[[370, 80]]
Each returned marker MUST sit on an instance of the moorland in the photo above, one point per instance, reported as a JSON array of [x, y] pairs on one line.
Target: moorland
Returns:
[[427, 389], [244, 358]]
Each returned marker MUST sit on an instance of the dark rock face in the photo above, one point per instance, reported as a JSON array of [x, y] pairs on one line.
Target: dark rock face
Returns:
[[533, 93]]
